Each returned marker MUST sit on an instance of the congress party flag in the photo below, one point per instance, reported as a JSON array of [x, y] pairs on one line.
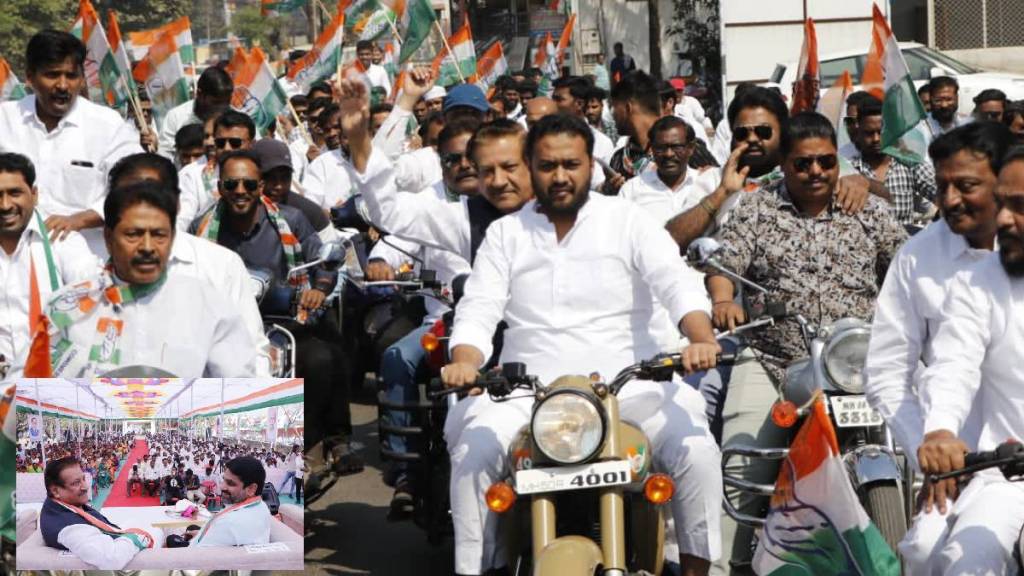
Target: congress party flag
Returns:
[[545, 60], [808, 76], [257, 92], [10, 87], [163, 74], [323, 60], [566, 37], [375, 24], [278, 7], [490, 67], [415, 20], [180, 29], [390, 61], [887, 77], [102, 75], [460, 63], [357, 11], [815, 523]]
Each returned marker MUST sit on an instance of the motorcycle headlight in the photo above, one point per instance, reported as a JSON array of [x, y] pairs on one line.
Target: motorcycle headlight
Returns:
[[568, 426], [845, 355]]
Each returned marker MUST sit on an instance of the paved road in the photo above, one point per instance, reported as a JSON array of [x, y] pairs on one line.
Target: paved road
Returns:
[[347, 531]]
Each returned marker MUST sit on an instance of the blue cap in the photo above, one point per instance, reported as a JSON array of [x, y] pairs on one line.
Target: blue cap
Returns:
[[466, 95]]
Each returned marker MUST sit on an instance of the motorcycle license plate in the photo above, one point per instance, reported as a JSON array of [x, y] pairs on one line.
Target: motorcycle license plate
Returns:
[[853, 412], [599, 475]]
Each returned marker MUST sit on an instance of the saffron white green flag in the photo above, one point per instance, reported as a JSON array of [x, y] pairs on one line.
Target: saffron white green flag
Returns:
[[887, 77], [460, 64], [257, 92], [323, 60], [490, 67], [416, 18], [181, 29], [815, 523], [374, 24], [163, 74], [10, 87], [102, 75]]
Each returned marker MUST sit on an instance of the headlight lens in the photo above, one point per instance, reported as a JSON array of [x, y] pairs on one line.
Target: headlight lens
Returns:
[[845, 356], [568, 426]]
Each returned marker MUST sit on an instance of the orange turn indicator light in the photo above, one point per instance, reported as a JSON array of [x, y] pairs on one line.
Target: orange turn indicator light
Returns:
[[784, 414], [500, 497], [429, 341], [659, 488]]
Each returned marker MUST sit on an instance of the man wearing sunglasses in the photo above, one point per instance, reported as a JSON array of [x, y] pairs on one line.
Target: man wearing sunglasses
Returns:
[[910, 188], [793, 238], [232, 131], [990, 105], [758, 118]]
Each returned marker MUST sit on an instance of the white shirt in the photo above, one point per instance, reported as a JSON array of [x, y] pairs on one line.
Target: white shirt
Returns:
[[248, 525], [603, 146], [978, 348], [73, 160], [691, 112], [418, 170], [326, 181], [379, 78], [907, 316], [422, 218], [175, 119], [663, 203], [91, 546], [299, 467], [197, 183], [222, 268], [580, 305], [185, 327], [721, 144], [300, 161], [73, 262], [446, 264]]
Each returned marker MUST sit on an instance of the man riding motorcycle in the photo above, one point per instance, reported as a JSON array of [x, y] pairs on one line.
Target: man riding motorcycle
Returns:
[[908, 312], [978, 346], [277, 238], [577, 299], [793, 238]]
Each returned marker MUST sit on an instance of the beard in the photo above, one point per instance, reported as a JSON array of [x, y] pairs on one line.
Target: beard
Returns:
[[943, 114], [1011, 254]]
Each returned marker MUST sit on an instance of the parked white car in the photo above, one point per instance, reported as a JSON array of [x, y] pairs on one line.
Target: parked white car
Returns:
[[923, 62]]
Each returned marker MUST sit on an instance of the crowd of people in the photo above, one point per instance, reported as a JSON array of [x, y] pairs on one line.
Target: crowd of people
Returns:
[[569, 206]]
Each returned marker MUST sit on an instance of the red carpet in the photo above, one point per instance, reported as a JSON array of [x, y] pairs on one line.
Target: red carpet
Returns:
[[117, 495]]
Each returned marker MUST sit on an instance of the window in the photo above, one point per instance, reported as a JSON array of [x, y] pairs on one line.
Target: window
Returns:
[[831, 70]]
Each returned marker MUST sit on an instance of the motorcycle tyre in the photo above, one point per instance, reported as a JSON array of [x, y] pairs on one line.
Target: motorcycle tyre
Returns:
[[884, 505]]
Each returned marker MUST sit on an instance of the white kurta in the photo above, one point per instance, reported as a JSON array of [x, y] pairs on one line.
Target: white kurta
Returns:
[[326, 180], [74, 262], [197, 184], [248, 525]]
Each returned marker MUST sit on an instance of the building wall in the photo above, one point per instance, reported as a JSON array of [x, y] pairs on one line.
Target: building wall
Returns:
[[626, 21]]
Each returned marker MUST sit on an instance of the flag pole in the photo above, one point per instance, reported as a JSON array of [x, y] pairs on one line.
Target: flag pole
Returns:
[[136, 107], [458, 68], [298, 122]]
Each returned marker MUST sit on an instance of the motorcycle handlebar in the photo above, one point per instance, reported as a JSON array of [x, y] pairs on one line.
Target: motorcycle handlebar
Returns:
[[1008, 457]]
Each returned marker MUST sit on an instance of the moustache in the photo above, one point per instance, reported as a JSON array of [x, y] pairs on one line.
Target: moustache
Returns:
[[144, 260], [1006, 238]]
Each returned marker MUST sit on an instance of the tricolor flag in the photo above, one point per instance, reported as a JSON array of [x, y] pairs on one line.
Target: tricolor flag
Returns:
[[277, 7], [104, 79], [257, 92], [455, 67], [180, 29], [322, 61], [10, 87], [815, 523], [545, 60], [887, 77], [808, 76], [415, 20], [390, 61], [490, 66], [163, 74], [356, 11], [563, 41], [374, 24], [117, 47]]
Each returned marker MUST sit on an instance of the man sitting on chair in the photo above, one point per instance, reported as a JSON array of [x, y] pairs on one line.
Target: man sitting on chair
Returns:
[[134, 479], [67, 522], [246, 520]]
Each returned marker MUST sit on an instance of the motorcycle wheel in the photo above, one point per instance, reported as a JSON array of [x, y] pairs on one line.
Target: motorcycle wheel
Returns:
[[884, 505]]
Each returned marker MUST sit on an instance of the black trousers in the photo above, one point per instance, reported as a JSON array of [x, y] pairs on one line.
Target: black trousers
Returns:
[[321, 362]]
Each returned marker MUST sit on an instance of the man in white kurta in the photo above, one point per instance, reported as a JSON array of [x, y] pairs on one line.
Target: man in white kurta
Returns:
[[577, 301], [977, 350], [246, 520]]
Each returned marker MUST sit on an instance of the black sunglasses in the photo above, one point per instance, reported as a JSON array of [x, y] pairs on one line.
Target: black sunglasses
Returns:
[[230, 184], [993, 115], [452, 159], [223, 142], [741, 133], [826, 161]]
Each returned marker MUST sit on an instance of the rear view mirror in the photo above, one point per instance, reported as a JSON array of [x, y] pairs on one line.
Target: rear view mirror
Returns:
[[701, 250]]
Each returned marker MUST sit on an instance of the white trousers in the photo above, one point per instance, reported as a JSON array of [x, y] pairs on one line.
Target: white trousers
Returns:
[[978, 535], [479, 431]]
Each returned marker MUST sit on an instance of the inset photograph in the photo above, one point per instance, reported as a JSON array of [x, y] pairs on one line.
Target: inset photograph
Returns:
[[154, 473]]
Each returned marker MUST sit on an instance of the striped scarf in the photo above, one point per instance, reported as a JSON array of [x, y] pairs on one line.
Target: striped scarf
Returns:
[[209, 228], [74, 304]]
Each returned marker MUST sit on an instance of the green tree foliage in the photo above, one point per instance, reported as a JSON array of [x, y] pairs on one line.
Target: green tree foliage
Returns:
[[266, 32], [134, 15], [20, 19]]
